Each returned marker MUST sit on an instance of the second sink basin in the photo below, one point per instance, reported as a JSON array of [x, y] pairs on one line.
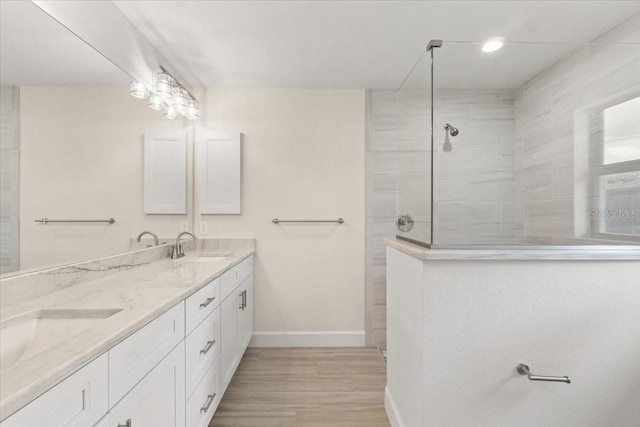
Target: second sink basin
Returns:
[[31, 333], [207, 257]]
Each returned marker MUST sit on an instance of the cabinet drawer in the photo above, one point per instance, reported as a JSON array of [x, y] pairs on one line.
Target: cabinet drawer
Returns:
[[80, 400], [205, 399], [202, 303], [133, 358], [158, 400], [232, 278], [202, 348]]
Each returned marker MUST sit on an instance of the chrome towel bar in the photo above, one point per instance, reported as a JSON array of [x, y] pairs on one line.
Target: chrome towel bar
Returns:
[[278, 221], [45, 220], [524, 370]]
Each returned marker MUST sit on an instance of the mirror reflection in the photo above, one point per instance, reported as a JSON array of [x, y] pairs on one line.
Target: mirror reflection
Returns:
[[72, 147]]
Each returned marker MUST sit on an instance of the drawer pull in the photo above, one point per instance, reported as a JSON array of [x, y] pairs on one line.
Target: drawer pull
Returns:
[[207, 347], [207, 302], [243, 302], [126, 424], [208, 402]]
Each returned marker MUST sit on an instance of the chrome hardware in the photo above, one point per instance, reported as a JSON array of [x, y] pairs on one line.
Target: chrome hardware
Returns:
[[176, 249], [207, 347], [404, 223], [278, 221], [45, 220], [207, 302], [524, 370], [242, 301], [453, 131], [208, 402], [126, 424], [154, 235]]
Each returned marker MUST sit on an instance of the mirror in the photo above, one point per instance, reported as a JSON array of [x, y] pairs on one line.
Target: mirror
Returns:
[[72, 147]]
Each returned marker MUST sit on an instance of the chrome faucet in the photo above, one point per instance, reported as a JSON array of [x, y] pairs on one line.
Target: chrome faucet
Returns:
[[176, 249], [154, 235]]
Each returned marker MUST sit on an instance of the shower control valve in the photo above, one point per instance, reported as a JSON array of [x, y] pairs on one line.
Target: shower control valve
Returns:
[[404, 223]]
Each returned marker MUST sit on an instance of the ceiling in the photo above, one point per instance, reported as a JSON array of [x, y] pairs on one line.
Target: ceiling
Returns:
[[360, 44], [312, 44], [35, 50]]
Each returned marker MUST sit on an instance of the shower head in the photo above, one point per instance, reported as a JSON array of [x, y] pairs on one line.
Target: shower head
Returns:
[[452, 131]]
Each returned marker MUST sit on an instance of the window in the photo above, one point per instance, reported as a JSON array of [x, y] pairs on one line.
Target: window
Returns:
[[616, 172]]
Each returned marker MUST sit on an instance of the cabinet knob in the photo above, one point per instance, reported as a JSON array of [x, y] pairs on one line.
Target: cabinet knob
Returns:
[[126, 424]]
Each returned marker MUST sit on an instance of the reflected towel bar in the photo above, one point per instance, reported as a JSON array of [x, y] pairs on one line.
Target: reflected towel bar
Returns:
[[46, 220], [524, 370], [278, 221]]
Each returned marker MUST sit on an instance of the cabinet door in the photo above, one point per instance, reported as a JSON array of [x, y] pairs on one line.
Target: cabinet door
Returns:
[[220, 173], [134, 357], [245, 315], [228, 335], [78, 401], [159, 399], [205, 399]]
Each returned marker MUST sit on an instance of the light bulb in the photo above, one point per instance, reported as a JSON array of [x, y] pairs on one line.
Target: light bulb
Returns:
[[181, 99], [138, 90], [170, 112], [164, 85], [492, 46], [156, 102], [193, 110]]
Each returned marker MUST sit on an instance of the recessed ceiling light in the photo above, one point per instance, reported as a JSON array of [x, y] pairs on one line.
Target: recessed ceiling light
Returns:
[[492, 46]]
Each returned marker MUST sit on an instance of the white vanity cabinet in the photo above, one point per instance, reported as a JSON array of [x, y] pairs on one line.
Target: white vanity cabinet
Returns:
[[236, 317], [170, 373], [157, 400]]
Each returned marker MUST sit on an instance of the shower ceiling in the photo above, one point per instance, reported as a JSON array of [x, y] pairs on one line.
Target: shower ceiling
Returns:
[[356, 44]]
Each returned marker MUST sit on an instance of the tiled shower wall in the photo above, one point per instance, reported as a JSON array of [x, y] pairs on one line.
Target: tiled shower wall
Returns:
[[9, 177], [553, 117], [474, 181]]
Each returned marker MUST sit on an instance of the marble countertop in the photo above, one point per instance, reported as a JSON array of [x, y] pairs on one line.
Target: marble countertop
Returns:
[[560, 253], [142, 293]]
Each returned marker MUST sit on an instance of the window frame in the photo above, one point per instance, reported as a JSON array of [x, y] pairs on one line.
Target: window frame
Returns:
[[597, 169]]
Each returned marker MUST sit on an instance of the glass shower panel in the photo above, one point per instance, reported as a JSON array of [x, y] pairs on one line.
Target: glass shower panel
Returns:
[[411, 152], [537, 143]]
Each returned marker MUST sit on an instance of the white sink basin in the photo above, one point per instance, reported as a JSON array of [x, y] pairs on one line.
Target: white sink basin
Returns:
[[32, 333], [207, 257]]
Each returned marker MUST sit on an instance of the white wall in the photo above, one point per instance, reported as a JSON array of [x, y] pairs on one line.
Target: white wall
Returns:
[[482, 318], [82, 158], [303, 158]]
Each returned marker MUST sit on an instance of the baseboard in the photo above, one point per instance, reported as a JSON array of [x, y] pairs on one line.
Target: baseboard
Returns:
[[392, 410], [308, 339]]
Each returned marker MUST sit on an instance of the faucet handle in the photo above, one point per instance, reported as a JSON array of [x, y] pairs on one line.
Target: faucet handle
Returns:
[[180, 253]]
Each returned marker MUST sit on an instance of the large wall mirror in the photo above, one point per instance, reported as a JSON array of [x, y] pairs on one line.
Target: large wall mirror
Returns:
[[72, 147]]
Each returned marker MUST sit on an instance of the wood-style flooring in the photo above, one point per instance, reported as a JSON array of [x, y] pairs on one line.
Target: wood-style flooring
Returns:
[[305, 387]]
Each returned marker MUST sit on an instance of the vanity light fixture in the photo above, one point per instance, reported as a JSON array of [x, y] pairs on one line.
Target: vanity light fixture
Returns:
[[492, 45], [164, 85], [138, 90], [170, 112], [193, 110], [168, 96], [156, 102], [181, 99]]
